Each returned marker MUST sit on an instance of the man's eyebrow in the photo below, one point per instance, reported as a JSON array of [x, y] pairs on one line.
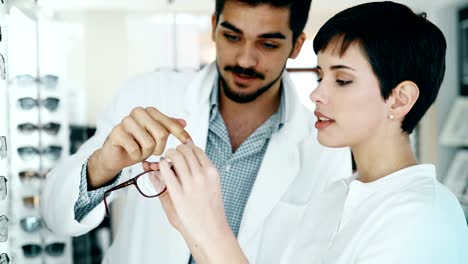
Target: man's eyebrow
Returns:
[[231, 27], [276, 35]]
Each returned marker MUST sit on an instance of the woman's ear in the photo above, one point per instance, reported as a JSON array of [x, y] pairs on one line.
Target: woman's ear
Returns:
[[402, 99]]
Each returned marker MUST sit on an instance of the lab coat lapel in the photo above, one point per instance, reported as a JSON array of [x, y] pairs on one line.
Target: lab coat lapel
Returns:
[[197, 106], [279, 167]]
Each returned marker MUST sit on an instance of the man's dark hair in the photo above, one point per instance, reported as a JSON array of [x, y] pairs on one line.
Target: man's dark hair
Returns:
[[298, 15], [400, 46]]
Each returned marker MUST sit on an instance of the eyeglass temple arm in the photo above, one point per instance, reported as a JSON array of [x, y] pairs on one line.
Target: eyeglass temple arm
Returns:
[[119, 186]]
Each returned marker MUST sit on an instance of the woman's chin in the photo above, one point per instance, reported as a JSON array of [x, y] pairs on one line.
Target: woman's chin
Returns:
[[330, 142]]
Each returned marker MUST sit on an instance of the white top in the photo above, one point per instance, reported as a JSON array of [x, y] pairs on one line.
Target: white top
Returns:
[[405, 217]]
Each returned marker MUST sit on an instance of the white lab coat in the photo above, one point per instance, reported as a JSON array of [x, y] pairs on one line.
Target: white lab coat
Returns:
[[295, 168]]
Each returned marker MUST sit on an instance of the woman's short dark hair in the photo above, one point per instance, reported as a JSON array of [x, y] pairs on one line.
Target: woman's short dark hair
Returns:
[[299, 11], [400, 46]]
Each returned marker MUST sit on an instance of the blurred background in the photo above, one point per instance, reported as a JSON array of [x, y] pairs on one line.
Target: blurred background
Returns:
[[63, 61]]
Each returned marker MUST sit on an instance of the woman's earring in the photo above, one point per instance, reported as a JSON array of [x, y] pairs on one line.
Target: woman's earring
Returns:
[[391, 116]]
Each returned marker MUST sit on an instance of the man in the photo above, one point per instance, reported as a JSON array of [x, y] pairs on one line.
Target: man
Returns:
[[242, 110]]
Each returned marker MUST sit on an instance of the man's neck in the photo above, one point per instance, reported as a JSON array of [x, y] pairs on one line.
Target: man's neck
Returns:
[[242, 119]]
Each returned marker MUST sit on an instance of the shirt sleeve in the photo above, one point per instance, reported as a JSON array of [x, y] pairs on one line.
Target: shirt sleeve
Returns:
[[88, 200]]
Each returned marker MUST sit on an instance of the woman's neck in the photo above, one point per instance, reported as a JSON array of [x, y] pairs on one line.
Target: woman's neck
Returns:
[[378, 158]]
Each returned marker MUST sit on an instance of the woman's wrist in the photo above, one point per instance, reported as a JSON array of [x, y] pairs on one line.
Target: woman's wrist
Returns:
[[221, 247]]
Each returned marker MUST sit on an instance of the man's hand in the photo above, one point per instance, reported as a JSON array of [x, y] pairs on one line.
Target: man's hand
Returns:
[[142, 133]]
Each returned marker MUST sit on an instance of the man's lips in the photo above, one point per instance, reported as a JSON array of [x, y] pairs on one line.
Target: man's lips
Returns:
[[243, 79]]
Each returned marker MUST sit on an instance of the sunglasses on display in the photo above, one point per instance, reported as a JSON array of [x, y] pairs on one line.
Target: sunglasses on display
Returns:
[[3, 187], [52, 152], [31, 202], [50, 128], [29, 175], [4, 259], [28, 103], [27, 80], [3, 228], [3, 147], [31, 224], [34, 250], [2, 67]]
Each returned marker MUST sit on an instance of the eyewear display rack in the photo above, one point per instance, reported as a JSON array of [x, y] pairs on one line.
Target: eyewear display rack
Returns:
[[36, 126], [4, 140]]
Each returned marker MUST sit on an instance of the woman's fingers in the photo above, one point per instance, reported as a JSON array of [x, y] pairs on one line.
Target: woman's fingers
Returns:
[[186, 150], [180, 166], [202, 157], [169, 178]]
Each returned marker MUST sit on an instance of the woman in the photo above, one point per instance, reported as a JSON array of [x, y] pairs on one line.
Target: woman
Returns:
[[380, 69]]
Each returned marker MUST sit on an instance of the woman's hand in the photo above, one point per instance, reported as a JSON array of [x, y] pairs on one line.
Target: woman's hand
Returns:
[[194, 205]]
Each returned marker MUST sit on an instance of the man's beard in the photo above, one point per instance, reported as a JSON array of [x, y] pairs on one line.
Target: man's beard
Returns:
[[245, 98]]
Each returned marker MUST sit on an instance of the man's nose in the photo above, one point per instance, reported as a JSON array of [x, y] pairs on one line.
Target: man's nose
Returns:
[[248, 56]]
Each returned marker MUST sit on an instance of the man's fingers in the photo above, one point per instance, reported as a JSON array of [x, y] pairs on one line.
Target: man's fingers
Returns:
[[123, 140], [181, 121], [173, 126], [140, 134]]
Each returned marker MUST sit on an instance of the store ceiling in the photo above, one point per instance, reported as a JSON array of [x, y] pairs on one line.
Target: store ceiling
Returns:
[[204, 5]]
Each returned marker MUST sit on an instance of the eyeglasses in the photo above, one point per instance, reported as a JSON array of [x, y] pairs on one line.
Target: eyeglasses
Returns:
[[4, 259], [52, 152], [50, 128], [2, 66], [34, 250], [3, 228], [26, 80], [31, 224], [148, 183], [31, 202], [3, 187], [28, 103], [29, 175], [3, 147]]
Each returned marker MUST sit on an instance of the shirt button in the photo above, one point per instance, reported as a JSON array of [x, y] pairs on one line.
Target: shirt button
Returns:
[[227, 168]]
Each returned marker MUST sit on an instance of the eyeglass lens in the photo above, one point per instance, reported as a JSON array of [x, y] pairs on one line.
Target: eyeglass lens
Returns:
[[31, 224], [3, 187], [3, 228], [4, 259], [2, 67], [150, 183], [3, 147]]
